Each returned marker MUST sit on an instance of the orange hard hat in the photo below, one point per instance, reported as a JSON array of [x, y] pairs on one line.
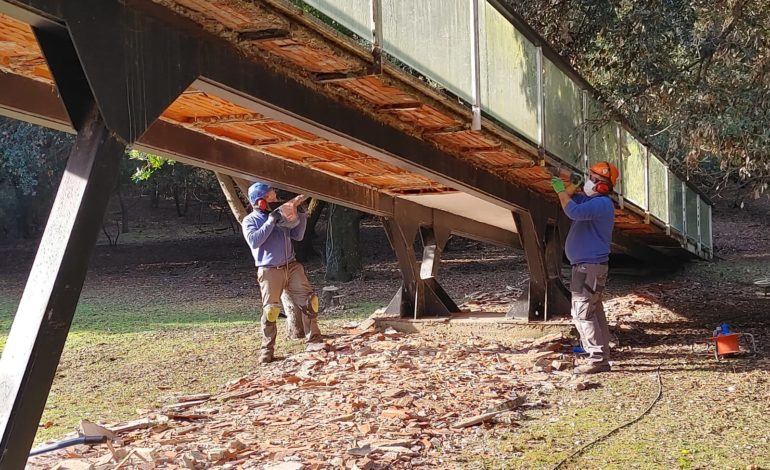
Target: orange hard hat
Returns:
[[606, 170]]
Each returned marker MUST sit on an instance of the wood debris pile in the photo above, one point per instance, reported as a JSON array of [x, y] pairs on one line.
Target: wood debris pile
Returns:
[[368, 400], [498, 301]]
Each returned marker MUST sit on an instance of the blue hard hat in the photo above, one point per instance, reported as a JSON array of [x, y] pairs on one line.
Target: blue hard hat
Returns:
[[258, 191]]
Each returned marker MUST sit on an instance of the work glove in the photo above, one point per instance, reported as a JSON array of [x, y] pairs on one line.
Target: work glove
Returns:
[[275, 217], [557, 184]]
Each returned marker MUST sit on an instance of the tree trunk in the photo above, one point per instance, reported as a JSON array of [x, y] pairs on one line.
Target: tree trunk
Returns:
[[24, 216], [123, 212], [343, 253], [304, 248], [186, 196], [155, 196], [294, 327], [177, 202]]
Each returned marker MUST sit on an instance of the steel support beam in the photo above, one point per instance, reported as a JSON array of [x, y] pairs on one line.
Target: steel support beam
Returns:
[[420, 294], [195, 148], [60, 53], [44, 315], [45, 311], [32, 101], [132, 72], [140, 48], [37, 102], [546, 294], [418, 297]]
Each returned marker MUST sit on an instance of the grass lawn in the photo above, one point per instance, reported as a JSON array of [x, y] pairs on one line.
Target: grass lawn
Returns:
[[122, 355]]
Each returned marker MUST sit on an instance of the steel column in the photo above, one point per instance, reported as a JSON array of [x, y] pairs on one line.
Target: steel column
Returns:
[[543, 245], [60, 55], [43, 319], [420, 294], [45, 312]]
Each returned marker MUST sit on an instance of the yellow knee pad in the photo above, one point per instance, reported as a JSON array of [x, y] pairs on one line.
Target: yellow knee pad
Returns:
[[313, 304], [272, 311]]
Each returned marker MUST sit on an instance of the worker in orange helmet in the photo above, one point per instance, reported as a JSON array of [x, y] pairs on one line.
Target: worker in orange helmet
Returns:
[[588, 249]]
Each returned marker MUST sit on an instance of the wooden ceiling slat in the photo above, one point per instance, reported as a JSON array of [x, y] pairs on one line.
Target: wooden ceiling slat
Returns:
[[200, 105], [500, 158], [425, 117], [19, 51], [254, 134], [372, 89], [289, 130], [359, 167], [310, 59], [220, 12], [396, 181], [464, 140]]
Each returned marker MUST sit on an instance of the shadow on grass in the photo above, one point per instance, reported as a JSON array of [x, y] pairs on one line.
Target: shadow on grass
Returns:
[[112, 316]]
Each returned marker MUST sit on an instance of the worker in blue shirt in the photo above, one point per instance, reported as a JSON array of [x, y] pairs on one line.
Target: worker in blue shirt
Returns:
[[588, 249], [269, 236]]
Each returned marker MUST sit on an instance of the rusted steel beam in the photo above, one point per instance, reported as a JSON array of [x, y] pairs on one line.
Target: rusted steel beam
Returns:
[[546, 294], [418, 296]]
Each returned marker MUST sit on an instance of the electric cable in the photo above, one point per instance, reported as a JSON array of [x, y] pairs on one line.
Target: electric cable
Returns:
[[615, 429]]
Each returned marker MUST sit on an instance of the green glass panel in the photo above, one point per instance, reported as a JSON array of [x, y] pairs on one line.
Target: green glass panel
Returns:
[[634, 170], [562, 100], [657, 180], [433, 37], [356, 15], [602, 142], [509, 80], [676, 202], [705, 223], [691, 201]]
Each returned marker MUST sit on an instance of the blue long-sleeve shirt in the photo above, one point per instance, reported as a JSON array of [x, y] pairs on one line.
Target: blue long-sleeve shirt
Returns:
[[270, 244], [590, 235]]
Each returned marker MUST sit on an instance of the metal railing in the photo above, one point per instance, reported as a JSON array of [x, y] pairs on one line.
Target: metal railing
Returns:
[[486, 56]]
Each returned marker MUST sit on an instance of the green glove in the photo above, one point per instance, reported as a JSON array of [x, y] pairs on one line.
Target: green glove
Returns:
[[557, 184]]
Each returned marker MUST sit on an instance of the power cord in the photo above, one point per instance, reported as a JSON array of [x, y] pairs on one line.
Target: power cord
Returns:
[[616, 429]]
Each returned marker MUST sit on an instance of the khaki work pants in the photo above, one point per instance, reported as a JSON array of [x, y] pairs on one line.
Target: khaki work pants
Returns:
[[272, 282], [587, 286]]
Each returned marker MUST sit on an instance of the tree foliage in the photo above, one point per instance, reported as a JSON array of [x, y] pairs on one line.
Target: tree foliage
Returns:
[[32, 160], [165, 178], [692, 76]]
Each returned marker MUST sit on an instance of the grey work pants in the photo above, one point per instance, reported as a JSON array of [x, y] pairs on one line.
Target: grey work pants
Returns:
[[272, 282], [587, 286]]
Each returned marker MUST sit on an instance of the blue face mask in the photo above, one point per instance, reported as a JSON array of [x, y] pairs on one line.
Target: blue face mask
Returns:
[[588, 188]]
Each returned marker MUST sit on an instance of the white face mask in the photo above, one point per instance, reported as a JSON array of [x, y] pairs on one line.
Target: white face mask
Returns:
[[588, 188]]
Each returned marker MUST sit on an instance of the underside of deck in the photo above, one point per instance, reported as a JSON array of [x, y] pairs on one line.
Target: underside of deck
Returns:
[[262, 90]]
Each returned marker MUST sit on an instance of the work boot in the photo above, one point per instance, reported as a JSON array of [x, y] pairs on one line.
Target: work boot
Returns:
[[265, 358], [315, 339], [592, 368]]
